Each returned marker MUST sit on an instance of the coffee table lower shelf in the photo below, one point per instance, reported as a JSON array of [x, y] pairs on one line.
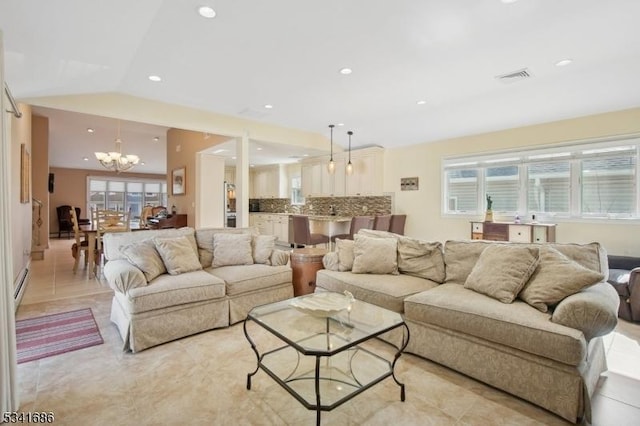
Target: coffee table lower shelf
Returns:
[[323, 382]]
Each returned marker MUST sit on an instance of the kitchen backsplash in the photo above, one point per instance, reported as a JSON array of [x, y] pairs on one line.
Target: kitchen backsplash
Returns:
[[344, 206]]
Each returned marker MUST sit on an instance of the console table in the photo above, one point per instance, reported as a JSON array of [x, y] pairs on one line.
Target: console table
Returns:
[[510, 231], [173, 221]]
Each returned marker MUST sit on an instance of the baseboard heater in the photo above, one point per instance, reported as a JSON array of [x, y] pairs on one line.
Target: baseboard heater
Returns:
[[20, 286]]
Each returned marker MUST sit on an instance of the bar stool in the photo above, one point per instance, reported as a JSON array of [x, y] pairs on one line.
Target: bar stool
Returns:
[[302, 234], [397, 223], [357, 223], [382, 222]]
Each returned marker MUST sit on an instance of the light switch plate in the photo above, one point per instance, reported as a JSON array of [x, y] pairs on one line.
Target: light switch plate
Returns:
[[409, 184]]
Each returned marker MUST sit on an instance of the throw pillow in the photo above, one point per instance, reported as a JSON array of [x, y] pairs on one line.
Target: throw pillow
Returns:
[[177, 254], [421, 259], [375, 255], [345, 254], [145, 257], [279, 257], [262, 246], [502, 270], [232, 249], [330, 261], [556, 277]]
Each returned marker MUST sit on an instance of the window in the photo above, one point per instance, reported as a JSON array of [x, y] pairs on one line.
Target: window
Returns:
[[125, 194], [596, 179], [296, 190]]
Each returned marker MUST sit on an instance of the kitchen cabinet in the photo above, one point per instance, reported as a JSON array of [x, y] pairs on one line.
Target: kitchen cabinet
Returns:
[[266, 182], [230, 175], [271, 224], [515, 232], [367, 178]]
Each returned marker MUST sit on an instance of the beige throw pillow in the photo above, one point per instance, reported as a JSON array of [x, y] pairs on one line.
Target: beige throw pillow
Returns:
[[556, 277], [279, 257], [145, 257], [375, 255], [232, 249], [330, 261], [502, 270], [177, 254], [345, 254], [262, 246], [421, 259]]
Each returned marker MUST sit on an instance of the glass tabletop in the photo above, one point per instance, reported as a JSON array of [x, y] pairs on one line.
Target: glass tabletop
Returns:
[[318, 335]]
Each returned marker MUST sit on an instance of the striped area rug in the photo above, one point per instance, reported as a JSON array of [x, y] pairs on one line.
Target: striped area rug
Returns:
[[56, 334]]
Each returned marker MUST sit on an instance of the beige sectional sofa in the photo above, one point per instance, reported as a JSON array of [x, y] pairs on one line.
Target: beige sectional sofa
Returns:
[[169, 283], [449, 295]]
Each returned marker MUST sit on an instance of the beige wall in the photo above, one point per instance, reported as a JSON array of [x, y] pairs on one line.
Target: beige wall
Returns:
[[40, 179], [182, 148], [424, 218], [71, 189]]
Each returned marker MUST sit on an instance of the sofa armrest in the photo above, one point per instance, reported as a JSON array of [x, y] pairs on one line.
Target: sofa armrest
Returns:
[[279, 257], [122, 276], [634, 293], [594, 310]]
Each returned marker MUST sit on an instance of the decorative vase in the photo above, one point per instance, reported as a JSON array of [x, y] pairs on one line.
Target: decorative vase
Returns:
[[488, 216]]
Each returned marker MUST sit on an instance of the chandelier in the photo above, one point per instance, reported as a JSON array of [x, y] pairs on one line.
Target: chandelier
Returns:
[[115, 160]]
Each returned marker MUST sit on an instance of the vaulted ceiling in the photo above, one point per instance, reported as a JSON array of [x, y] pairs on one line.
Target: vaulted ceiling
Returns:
[[422, 70]]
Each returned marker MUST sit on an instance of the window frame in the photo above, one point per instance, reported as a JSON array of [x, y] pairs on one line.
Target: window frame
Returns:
[[163, 194]]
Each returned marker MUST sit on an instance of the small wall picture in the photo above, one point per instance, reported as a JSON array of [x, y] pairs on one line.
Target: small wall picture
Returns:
[[178, 181]]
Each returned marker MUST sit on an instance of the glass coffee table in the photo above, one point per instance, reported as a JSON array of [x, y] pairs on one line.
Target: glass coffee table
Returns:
[[323, 362]]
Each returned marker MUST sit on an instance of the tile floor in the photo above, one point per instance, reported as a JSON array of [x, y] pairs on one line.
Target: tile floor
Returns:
[[201, 379]]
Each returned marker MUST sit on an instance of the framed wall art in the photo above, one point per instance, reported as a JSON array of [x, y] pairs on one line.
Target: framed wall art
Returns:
[[178, 183], [25, 174]]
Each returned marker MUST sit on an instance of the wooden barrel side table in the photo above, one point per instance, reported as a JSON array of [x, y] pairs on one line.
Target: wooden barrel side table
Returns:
[[305, 263]]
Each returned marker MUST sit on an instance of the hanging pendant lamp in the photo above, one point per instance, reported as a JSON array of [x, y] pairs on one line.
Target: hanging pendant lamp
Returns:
[[349, 164], [331, 167]]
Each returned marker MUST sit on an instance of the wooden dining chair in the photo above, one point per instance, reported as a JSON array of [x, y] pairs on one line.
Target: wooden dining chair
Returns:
[[109, 221], [80, 246]]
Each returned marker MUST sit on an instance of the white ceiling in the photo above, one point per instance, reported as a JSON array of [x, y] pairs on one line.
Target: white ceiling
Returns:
[[288, 53]]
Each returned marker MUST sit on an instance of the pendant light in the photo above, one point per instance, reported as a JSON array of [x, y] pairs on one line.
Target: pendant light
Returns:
[[331, 167], [349, 164]]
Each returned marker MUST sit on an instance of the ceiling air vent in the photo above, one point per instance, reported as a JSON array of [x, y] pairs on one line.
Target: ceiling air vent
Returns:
[[514, 76]]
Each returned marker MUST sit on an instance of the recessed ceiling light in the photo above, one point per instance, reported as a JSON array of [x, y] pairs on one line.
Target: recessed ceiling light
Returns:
[[340, 124], [346, 71], [156, 139], [252, 165], [90, 130], [234, 157], [142, 163], [259, 148], [421, 102], [268, 106], [85, 158], [206, 12], [218, 151], [563, 62], [305, 155], [508, 1], [155, 78]]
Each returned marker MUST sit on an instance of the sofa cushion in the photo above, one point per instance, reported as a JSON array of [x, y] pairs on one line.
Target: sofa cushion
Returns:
[[375, 255], [171, 290], [460, 257], [502, 270], [204, 239], [345, 248], [331, 261], [555, 278], [388, 291], [421, 259], [145, 257], [415, 257], [515, 325], [248, 278], [232, 249], [279, 257], [177, 255], [262, 246], [114, 241]]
